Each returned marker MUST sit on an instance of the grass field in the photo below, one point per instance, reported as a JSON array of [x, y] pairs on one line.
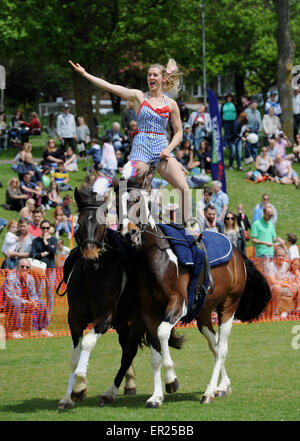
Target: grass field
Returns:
[[262, 365]]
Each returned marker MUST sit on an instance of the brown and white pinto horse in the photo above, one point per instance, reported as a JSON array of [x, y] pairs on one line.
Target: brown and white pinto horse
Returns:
[[240, 291]]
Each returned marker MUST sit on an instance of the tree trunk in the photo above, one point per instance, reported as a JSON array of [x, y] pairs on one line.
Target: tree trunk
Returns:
[[83, 91], [286, 50], [239, 86]]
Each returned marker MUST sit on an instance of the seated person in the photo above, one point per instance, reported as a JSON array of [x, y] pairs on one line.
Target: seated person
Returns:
[[28, 166], [62, 253], [282, 143], [28, 186], [283, 287], [296, 148], [19, 296], [14, 197], [60, 222], [293, 251], [71, 160], [61, 177], [119, 140], [284, 172], [202, 160], [185, 154], [53, 195], [34, 125], [264, 164], [52, 155], [272, 149]]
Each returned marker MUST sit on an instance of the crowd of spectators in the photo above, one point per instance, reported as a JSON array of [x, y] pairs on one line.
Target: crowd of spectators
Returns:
[[36, 187]]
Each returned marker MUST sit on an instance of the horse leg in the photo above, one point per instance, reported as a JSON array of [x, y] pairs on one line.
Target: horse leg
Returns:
[[130, 386], [163, 333], [221, 349], [80, 382], [67, 402], [158, 395], [129, 350]]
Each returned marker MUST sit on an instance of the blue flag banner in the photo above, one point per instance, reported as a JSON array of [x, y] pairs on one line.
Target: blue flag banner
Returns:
[[217, 154]]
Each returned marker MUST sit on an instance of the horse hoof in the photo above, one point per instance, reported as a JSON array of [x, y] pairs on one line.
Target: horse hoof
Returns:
[[79, 396], [66, 405], [207, 399], [129, 390], [104, 400], [172, 387], [152, 405], [223, 393]]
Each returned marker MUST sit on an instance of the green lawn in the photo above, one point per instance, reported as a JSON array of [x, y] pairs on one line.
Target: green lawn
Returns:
[[262, 365]]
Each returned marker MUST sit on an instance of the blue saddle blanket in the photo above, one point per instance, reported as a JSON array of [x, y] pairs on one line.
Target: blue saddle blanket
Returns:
[[219, 250]]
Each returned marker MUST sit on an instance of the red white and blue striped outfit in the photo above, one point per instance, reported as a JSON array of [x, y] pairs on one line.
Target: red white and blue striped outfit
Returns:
[[150, 138]]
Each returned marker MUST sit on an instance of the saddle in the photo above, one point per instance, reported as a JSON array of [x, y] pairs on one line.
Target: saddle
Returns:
[[200, 253]]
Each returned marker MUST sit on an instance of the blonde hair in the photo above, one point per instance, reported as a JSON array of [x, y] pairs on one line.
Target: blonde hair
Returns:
[[173, 76]]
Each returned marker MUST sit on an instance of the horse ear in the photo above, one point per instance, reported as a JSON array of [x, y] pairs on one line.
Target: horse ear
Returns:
[[115, 183], [77, 197]]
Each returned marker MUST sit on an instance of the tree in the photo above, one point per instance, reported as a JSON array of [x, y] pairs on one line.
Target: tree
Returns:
[[285, 62]]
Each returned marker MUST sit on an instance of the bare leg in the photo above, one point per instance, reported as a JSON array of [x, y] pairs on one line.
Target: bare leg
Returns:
[[173, 173]]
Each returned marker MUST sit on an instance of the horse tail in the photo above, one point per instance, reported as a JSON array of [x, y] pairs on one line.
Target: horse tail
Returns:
[[176, 341], [256, 295]]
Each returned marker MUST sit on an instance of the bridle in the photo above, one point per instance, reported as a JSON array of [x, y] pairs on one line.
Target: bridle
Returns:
[[90, 240]]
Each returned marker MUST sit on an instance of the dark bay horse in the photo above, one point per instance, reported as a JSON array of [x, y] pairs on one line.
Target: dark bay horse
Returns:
[[95, 285], [240, 291]]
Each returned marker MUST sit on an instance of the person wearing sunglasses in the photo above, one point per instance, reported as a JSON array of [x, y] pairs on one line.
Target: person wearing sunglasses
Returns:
[[19, 296], [234, 233], [44, 249]]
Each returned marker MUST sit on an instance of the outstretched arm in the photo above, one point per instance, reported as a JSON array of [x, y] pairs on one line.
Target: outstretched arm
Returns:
[[122, 92]]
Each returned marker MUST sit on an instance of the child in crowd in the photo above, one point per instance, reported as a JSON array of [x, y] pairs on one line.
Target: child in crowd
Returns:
[[293, 251], [200, 132], [53, 194], [188, 134], [109, 163], [60, 222], [9, 244], [41, 198], [71, 160], [62, 253], [27, 211], [95, 152], [61, 177]]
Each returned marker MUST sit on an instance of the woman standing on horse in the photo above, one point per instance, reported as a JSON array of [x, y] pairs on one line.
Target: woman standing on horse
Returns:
[[150, 144]]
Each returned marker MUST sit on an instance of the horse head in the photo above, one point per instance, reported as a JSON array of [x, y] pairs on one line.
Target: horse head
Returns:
[[90, 234], [132, 203]]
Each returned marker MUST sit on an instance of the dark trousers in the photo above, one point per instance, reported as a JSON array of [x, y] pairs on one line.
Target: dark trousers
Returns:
[[296, 124], [68, 142]]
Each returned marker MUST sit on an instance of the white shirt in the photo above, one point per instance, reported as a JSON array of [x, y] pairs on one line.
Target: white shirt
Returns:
[[65, 126], [10, 242], [293, 252], [296, 104]]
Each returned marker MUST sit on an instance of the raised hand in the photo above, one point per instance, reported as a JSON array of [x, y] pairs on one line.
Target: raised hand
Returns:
[[77, 67]]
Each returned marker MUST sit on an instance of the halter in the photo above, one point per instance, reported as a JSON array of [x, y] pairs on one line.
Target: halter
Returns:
[[101, 244]]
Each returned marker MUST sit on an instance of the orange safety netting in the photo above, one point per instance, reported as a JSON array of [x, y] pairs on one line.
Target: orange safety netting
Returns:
[[284, 305]]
